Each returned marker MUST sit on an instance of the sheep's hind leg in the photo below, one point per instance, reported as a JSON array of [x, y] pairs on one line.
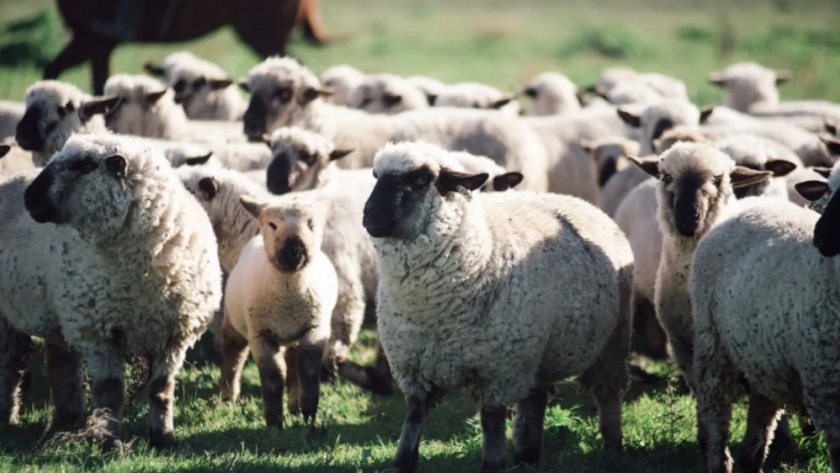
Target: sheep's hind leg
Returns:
[[14, 347], [67, 389], [528, 427], [104, 365], [162, 396], [493, 449], [761, 423], [233, 351], [293, 380], [408, 449], [309, 360], [823, 403], [272, 367]]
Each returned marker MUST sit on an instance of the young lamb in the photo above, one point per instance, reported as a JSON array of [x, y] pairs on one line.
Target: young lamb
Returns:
[[551, 93], [201, 87], [694, 193], [54, 111], [764, 308], [279, 301], [476, 95], [454, 262], [748, 83], [283, 93], [105, 256], [10, 115], [388, 94], [341, 80]]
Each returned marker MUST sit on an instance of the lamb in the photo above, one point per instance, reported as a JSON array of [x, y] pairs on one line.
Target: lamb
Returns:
[[476, 95], [655, 120], [551, 93], [748, 83], [279, 301], [54, 111], [147, 108], [14, 160], [451, 261], [608, 154], [388, 94], [201, 87], [301, 160], [341, 81], [10, 114], [431, 87], [764, 310], [106, 256], [505, 140], [694, 193]]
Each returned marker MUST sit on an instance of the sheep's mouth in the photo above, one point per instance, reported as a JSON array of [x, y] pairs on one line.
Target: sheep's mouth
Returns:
[[380, 229], [45, 215], [293, 256], [30, 143]]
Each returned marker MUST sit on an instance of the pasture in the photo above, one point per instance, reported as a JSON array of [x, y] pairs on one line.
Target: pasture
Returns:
[[502, 43]]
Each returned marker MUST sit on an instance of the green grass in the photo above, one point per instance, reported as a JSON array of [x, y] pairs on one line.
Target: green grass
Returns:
[[503, 43]]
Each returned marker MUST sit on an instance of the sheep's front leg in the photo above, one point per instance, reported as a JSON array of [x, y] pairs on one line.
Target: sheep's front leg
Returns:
[[104, 363], [493, 427], [14, 347], [408, 449], [272, 367], [162, 397], [528, 427], [233, 351], [761, 423], [67, 389], [292, 380]]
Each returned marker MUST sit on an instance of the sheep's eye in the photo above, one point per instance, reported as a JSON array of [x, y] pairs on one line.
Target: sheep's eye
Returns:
[[717, 180], [310, 224], [83, 166], [272, 225], [179, 86], [284, 95], [419, 181], [666, 178], [60, 111], [307, 158]]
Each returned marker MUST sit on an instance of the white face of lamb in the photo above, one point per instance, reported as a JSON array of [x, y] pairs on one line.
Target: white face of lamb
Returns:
[[820, 204]]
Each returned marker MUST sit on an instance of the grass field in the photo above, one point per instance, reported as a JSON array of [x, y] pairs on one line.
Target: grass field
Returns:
[[503, 43]]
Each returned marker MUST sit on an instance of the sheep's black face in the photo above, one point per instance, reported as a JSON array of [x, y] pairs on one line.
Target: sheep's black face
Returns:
[[827, 230], [28, 134], [689, 201], [278, 177], [255, 118], [293, 256], [37, 199], [752, 189], [394, 201]]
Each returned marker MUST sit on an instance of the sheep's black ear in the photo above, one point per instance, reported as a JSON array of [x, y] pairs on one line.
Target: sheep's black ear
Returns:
[[431, 99], [450, 181], [716, 78], [155, 96], [244, 86], [219, 84], [822, 171], [506, 181], [630, 118], [4, 150], [742, 176], [830, 127], [208, 188], [339, 153], [103, 105], [312, 93], [586, 146], [153, 69], [116, 165], [253, 206], [648, 165], [782, 77], [705, 113], [779, 167], [812, 190], [831, 143], [198, 160], [391, 99], [501, 102]]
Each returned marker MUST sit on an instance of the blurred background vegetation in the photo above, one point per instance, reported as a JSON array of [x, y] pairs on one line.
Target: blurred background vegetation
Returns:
[[499, 42]]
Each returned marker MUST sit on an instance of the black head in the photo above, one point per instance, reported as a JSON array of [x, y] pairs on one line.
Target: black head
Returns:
[[827, 230]]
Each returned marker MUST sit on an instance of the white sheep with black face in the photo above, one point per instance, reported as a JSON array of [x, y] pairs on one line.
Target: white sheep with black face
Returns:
[[694, 193], [551, 93], [201, 87], [106, 256], [477, 95], [54, 111], [452, 261], [302, 160], [387, 94], [341, 81], [429, 86], [749, 83]]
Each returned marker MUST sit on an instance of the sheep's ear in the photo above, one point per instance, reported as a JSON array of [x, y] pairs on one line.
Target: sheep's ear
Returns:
[[266, 138], [450, 181], [705, 113], [219, 84], [657, 143], [630, 118], [831, 143], [830, 127], [198, 160], [648, 165], [822, 171], [155, 96], [244, 86], [589, 89], [779, 167], [153, 69], [783, 76], [253, 206], [506, 181], [391, 99], [312, 93], [116, 166], [602, 92], [208, 188], [501, 102], [582, 99], [104, 105], [586, 146], [339, 153], [4, 150], [430, 98], [812, 190], [716, 78], [742, 176]]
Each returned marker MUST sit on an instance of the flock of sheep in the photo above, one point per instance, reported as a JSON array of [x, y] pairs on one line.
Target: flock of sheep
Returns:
[[502, 251]]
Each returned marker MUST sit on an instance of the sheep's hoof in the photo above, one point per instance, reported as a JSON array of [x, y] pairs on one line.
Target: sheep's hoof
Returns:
[[529, 456], [493, 467], [162, 440]]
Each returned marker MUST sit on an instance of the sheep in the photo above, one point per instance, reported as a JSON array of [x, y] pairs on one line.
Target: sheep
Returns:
[[147, 108], [476, 95], [388, 94], [551, 93], [809, 115], [10, 114], [632, 92], [279, 302], [498, 179], [655, 120], [341, 81], [14, 160], [505, 140], [54, 111], [608, 155], [748, 83], [431, 87], [664, 87], [106, 256], [301, 160], [454, 262], [611, 77], [764, 309], [694, 192], [201, 87], [754, 153]]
